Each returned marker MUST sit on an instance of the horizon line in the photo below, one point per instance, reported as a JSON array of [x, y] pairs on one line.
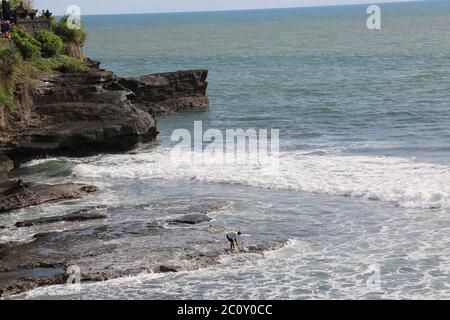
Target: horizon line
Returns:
[[255, 9]]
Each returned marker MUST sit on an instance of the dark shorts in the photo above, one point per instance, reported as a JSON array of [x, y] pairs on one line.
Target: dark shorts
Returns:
[[229, 239]]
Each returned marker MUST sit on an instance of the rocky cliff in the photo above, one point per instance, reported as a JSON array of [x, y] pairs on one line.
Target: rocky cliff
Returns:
[[164, 93], [84, 113], [78, 114]]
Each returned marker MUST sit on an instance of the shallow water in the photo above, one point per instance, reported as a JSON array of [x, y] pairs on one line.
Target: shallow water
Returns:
[[364, 176]]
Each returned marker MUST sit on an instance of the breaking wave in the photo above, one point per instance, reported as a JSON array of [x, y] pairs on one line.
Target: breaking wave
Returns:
[[401, 181]]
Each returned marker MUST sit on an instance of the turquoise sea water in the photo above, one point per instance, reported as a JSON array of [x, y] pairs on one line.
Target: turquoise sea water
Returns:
[[364, 120]]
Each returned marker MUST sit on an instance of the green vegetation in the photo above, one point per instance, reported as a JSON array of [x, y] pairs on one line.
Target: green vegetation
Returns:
[[73, 38], [61, 63], [26, 3], [14, 3], [23, 58], [51, 44], [10, 58], [29, 47], [77, 35]]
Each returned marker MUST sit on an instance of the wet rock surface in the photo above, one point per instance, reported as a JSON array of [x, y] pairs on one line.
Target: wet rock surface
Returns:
[[79, 114], [111, 249], [21, 195], [194, 218], [81, 215]]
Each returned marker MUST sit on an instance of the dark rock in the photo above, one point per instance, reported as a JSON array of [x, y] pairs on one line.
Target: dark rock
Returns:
[[6, 165], [24, 283], [82, 215], [165, 93], [121, 249], [22, 195], [79, 114], [166, 269], [194, 218]]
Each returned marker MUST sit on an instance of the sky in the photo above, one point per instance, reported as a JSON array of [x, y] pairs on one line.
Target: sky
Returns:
[[153, 6]]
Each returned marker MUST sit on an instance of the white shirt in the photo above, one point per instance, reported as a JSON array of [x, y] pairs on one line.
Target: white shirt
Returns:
[[232, 235]]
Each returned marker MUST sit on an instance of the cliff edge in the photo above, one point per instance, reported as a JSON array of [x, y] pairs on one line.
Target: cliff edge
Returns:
[[84, 113], [77, 114], [165, 93]]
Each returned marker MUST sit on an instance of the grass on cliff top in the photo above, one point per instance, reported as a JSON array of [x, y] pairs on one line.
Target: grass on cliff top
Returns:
[[24, 57], [11, 70], [14, 69]]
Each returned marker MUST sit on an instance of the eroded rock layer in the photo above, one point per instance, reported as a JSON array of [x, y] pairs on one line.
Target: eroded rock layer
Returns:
[[107, 249], [165, 93], [21, 195], [78, 114]]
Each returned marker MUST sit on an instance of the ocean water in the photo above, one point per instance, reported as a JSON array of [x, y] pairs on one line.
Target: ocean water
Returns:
[[364, 176]]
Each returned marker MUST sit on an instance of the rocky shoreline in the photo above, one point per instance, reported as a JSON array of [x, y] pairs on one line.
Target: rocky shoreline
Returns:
[[21, 195], [81, 114], [78, 114], [87, 113], [179, 236]]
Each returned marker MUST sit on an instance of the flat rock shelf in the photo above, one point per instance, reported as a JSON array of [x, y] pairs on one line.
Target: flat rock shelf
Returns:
[[106, 249]]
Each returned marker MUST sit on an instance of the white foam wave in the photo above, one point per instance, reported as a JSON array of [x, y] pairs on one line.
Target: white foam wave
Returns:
[[401, 181], [37, 162]]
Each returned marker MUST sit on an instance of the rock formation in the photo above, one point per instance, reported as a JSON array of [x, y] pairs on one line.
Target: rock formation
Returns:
[[165, 93], [86, 214], [21, 195], [78, 114], [108, 250]]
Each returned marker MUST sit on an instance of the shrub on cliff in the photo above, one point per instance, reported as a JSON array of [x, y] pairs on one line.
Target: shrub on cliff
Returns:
[[29, 47], [61, 63], [76, 35], [10, 61], [7, 97], [51, 44], [23, 58], [66, 64], [74, 39]]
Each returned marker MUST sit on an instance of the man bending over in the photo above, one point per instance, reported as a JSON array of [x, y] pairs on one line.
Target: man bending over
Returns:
[[232, 238]]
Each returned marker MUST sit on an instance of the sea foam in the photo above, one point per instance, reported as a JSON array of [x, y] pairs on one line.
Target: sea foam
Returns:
[[401, 181]]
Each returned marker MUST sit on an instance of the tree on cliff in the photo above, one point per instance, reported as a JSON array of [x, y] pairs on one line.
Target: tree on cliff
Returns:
[[14, 3], [28, 4], [74, 38]]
